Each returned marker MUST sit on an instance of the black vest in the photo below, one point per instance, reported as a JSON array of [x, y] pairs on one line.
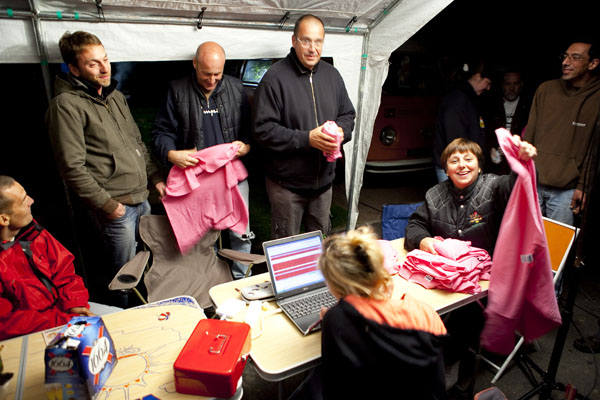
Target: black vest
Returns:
[[228, 96]]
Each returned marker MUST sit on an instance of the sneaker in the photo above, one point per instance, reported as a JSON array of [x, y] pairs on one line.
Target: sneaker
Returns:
[[590, 344]]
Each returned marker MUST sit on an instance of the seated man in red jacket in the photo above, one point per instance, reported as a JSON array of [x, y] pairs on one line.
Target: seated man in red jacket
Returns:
[[38, 285]]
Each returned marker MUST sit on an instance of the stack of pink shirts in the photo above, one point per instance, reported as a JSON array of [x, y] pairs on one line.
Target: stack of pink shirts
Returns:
[[458, 266], [206, 196]]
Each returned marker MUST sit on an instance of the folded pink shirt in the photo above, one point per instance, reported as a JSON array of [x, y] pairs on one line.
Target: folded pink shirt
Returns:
[[206, 196], [331, 128]]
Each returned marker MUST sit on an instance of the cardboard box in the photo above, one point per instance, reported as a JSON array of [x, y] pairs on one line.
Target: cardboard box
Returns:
[[79, 359], [213, 359]]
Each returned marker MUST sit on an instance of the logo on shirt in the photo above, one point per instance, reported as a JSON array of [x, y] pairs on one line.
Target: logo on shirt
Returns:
[[475, 218], [211, 112]]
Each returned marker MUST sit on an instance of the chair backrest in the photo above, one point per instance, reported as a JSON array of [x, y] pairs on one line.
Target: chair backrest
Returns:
[[175, 274], [394, 218], [560, 238]]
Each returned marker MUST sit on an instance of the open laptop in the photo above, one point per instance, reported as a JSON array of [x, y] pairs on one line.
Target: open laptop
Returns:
[[298, 285]]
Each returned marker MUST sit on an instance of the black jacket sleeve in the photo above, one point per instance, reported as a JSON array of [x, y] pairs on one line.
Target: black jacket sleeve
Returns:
[[346, 114], [165, 135], [245, 134], [418, 227]]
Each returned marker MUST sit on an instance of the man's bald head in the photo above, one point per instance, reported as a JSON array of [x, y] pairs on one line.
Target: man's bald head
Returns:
[[209, 64], [210, 50]]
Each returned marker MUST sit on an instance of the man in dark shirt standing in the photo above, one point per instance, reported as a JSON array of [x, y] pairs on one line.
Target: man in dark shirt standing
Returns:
[[293, 101], [203, 110]]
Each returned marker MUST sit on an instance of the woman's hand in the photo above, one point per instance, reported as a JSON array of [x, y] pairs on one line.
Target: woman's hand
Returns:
[[427, 245], [526, 150]]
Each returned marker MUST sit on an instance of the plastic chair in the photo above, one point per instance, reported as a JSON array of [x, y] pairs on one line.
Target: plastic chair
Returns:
[[560, 238], [172, 273], [394, 218]]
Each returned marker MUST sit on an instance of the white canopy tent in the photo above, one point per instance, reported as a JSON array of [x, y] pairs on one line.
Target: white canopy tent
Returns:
[[360, 36]]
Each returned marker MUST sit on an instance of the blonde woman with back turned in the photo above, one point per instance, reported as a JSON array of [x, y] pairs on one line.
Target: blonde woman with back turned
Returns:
[[374, 346]]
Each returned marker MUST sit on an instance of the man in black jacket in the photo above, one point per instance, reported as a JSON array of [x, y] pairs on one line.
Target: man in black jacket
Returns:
[[203, 110], [293, 101]]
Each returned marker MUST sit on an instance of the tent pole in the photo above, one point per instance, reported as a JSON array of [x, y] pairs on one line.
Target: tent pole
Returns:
[[37, 29], [41, 48], [357, 139], [358, 134]]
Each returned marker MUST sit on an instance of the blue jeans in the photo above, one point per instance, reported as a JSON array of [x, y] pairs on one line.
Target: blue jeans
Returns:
[[121, 235], [441, 174], [556, 203], [241, 242]]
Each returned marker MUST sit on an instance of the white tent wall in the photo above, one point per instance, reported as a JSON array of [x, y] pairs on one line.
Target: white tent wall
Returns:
[[396, 28], [150, 42], [17, 42], [165, 40]]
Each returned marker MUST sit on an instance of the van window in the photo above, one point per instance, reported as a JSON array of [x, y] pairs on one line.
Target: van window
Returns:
[[254, 71]]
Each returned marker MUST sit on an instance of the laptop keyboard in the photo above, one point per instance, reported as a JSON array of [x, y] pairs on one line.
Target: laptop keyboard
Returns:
[[309, 304]]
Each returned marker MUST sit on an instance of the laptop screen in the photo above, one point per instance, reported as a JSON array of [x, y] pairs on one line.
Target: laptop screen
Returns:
[[293, 262]]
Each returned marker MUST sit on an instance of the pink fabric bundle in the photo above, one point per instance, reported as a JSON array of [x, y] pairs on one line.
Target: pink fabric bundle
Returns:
[[206, 196], [521, 294], [390, 257], [457, 267], [331, 128]]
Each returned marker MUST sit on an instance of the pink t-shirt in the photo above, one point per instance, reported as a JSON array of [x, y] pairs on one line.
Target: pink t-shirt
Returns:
[[521, 294], [206, 196]]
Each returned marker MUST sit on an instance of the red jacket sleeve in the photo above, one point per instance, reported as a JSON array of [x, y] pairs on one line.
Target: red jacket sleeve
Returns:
[[21, 322], [71, 290]]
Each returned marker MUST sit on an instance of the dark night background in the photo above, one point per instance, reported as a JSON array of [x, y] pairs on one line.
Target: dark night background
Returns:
[[526, 34]]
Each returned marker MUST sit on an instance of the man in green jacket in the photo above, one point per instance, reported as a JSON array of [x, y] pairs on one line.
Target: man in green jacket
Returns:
[[98, 147], [561, 121]]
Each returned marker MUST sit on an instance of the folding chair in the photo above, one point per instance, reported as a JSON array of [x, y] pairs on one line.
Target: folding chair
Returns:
[[394, 218], [172, 273], [560, 238]]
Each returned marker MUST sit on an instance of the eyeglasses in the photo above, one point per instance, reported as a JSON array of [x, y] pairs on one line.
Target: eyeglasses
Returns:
[[308, 43], [573, 57]]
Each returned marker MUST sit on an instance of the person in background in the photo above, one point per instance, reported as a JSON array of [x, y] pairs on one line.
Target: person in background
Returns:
[[509, 110], [205, 109], [371, 344], [38, 285], [98, 147], [293, 101], [561, 122], [459, 114]]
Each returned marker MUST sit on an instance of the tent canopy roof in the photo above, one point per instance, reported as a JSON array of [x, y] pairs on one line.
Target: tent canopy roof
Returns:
[[337, 14]]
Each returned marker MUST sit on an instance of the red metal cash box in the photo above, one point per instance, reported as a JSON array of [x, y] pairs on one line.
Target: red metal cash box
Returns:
[[213, 359]]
